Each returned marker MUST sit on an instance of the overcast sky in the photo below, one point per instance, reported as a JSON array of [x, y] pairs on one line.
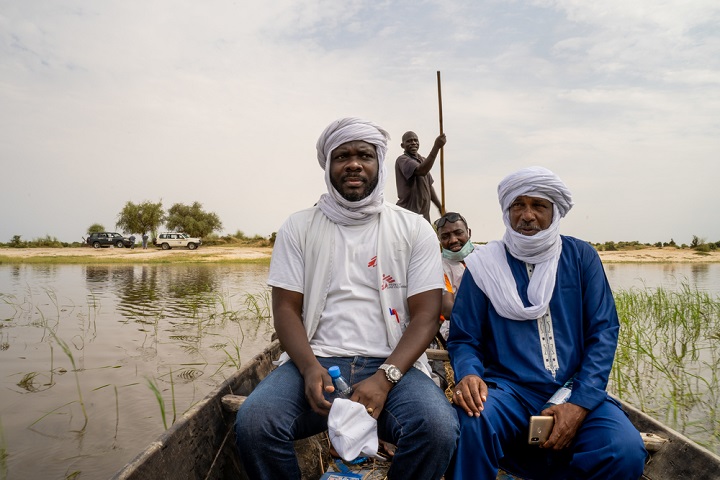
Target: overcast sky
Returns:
[[221, 102]]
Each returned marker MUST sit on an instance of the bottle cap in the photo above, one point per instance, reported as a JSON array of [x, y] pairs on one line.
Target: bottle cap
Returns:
[[334, 371]]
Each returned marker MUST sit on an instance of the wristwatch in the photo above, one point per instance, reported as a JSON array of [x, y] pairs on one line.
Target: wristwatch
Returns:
[[392, 373]]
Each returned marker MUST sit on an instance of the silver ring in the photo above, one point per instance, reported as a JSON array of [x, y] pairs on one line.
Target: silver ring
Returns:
[[458, 393]]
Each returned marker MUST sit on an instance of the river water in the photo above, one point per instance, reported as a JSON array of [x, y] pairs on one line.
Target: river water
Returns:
[[87, 352]]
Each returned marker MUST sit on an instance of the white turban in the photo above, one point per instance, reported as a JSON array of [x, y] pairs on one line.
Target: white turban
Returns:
[[334, 205], [534, 182], [489, 266]]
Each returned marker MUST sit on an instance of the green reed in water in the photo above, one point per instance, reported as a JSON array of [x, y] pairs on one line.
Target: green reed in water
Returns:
[[161, 401], [69, 354], [667, 358], [3, 454]]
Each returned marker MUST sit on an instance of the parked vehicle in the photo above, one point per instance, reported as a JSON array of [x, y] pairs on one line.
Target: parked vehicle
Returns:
[[107, 239], [168, 240], [201, 446]]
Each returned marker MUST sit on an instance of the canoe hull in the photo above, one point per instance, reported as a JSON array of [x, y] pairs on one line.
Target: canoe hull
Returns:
[[201, 444], [679, 458]]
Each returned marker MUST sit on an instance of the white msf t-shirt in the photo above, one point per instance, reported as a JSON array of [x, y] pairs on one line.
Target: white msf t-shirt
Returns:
[[352, 323]]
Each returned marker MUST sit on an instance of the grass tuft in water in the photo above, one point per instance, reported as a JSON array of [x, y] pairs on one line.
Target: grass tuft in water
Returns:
[[69, 354], [3, 453], [161, 401], [668, 356]]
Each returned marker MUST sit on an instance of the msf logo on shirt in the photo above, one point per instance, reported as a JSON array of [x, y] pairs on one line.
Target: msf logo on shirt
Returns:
[[387, 280]]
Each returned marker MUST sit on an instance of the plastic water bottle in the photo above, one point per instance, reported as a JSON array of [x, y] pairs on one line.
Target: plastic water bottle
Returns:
[[342, 387], [561, 396]]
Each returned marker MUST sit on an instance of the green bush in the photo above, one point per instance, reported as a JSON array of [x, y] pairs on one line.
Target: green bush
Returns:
[[16, 242], [45, 242], [703, 247]]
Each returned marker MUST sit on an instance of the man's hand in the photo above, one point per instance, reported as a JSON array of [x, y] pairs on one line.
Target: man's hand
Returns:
[[470, 394], [318, 380], [440, 142], [372, 392], [568, 418]]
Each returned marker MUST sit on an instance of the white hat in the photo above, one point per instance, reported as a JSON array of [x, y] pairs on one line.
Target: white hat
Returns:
[[352, 431]]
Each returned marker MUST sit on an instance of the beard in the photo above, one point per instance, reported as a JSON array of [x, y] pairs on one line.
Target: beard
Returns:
[[354, 195]]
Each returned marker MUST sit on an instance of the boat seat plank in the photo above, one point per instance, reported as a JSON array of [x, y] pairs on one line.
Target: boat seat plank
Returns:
[[437, 354], [232, 403]]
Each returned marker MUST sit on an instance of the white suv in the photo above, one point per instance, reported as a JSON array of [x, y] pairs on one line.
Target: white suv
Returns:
[[168, 240]]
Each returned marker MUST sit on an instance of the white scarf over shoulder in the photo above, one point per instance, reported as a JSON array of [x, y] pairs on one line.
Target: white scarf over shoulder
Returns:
[[488, 263]]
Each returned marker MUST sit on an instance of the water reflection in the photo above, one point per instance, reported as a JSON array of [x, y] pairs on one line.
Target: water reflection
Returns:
[[703, 276], [181, 328], [142, 293], [699, 273]]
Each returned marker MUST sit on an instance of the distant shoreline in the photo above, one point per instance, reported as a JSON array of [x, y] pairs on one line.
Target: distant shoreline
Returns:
[[88, 255], [244, 254], [660, 255]]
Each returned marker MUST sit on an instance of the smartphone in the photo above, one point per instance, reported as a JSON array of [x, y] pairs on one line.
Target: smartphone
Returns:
[[540, 428]]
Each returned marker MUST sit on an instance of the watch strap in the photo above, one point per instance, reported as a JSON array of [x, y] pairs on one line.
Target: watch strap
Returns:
[[386, 367]]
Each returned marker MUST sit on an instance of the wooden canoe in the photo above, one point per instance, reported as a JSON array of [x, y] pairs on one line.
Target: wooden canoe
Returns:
[[201, 445]]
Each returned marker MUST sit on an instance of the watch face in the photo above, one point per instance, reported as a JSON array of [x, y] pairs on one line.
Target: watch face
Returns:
[[394, 373]]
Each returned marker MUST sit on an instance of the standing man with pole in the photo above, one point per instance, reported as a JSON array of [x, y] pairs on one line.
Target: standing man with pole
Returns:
[[412, 172], [412, 176]]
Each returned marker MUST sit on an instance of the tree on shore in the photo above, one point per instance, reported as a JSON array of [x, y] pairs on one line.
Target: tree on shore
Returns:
[[192, 219], [96, 228], [142, 218]]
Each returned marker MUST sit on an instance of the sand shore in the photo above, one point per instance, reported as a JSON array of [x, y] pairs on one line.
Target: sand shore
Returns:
[[152, 254], [240, 254]]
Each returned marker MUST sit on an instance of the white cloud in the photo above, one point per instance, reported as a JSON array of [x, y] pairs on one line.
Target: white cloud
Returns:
[[221, 102]]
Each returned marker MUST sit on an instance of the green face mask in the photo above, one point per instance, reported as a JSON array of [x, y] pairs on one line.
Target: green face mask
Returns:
[[460, 254]]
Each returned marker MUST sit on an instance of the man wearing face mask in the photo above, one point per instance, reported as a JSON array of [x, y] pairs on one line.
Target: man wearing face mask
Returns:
[[454, 236]]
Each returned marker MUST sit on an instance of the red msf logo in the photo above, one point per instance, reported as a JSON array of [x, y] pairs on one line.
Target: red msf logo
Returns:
[[373, 262], [386, 281]]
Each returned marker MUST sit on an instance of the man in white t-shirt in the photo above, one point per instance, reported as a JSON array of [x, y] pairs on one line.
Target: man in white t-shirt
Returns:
[[356, 282]]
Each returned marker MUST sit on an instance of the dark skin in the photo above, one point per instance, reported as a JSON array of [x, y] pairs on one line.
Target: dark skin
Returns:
[[452, 236], [353, 166], [528, 215], [354, 169], [410, 145], [372, 392]]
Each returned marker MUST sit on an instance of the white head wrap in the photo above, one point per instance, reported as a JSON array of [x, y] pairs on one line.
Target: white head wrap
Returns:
[[489, 266], [332, 204]]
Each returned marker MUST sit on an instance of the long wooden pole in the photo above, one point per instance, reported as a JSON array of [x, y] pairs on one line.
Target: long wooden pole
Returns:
[[442, 150]]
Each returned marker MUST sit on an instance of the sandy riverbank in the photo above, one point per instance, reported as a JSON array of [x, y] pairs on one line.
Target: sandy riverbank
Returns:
[[241, 254], [132, 255], [660, 255]]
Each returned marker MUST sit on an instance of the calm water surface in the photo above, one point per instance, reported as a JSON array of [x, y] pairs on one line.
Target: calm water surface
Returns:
[[704, 276], [181, 328]]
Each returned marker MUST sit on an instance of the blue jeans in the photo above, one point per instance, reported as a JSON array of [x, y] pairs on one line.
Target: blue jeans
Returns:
[[417, 418]]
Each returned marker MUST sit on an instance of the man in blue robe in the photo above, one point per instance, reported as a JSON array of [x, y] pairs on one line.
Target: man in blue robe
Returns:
[[532, 312]]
